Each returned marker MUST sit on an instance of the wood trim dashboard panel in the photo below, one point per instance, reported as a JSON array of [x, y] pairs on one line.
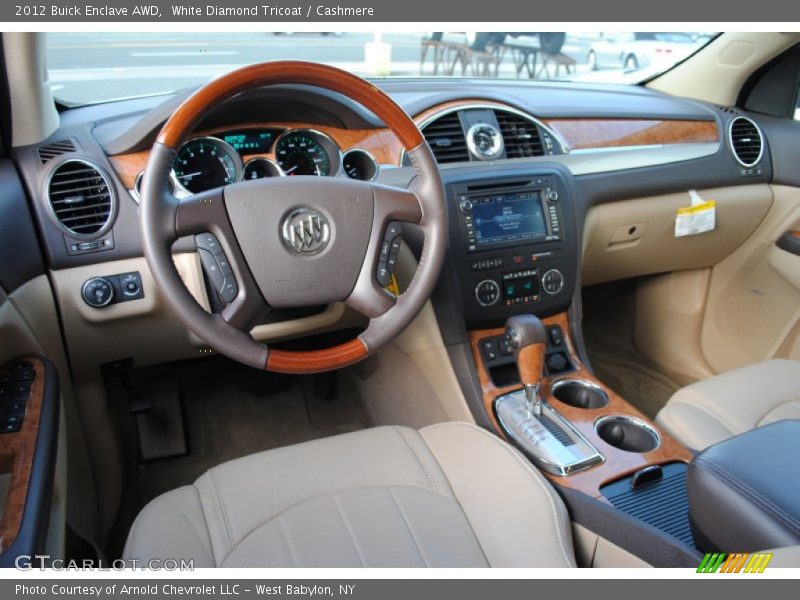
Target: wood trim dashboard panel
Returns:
[[615, 133], [618, 463], [386, 147], [17, 452], [381, 143]]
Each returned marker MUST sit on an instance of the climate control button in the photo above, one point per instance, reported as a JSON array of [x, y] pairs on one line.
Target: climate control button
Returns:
[[487, 292], [553, 281]]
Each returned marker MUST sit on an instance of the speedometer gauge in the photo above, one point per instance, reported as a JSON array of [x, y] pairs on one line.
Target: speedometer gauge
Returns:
[[306, 152], [206, 163]]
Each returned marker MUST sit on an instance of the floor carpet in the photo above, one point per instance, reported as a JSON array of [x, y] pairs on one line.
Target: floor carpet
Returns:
[[231, 411], [608, 324]]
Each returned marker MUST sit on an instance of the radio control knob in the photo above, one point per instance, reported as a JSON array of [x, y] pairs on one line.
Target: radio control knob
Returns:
[[466, 206], [97, 292], [552, 196], [487, 292]]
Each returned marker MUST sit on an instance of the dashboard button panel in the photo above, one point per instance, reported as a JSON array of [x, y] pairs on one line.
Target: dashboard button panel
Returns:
[[99, 292], [532, 267]]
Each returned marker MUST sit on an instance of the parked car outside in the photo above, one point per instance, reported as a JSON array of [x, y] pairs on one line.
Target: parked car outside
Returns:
[[638, 50]]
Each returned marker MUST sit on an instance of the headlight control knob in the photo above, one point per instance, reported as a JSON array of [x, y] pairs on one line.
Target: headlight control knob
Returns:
[[97, 292]]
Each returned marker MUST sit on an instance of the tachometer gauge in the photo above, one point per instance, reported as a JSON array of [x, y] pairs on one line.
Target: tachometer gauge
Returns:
[[306, 152], [206, 163]]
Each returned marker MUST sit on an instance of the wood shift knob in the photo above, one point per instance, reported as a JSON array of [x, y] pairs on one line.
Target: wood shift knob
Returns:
[[528, 336]]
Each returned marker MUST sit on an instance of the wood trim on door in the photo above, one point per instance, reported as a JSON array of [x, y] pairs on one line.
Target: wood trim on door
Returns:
[[16, 458]]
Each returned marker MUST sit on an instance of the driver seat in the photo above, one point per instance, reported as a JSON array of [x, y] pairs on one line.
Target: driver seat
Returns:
[[450, 495]]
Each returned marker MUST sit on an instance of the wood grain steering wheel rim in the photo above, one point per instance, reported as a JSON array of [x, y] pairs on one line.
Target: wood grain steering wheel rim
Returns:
[[231, 211]]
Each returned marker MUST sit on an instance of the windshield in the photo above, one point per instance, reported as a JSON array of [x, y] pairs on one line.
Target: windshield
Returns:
[[87, 68]]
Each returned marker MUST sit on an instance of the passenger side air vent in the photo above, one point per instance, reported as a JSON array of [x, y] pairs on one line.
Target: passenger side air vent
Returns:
[[446, 138], [49, 152], [81, 198], [520, 136], [746, 141]]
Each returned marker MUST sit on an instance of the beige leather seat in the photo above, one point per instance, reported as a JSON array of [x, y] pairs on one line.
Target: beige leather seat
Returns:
[[710, 411], [450, 495]]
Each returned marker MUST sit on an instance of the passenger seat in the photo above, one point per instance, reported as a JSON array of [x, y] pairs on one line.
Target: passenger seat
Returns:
[[710, 411]]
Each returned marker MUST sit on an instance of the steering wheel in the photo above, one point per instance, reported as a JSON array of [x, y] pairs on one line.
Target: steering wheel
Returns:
[[294, 241]]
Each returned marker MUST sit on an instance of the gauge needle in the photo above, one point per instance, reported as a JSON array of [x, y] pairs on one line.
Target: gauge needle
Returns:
[[289, 172], [190, 175]]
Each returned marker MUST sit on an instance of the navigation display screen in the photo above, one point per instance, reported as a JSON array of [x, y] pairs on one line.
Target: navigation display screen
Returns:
[[505, 218]]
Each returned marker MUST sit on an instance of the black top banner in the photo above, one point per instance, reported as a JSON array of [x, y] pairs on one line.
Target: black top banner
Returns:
[[527, 13]]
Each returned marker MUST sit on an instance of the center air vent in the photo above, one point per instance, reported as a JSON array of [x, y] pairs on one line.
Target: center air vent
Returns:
[[446, 138], [81, 198], [746, 141], [520, 135]]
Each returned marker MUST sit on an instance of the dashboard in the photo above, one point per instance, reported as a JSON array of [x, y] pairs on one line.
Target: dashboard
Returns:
[[531, 160]]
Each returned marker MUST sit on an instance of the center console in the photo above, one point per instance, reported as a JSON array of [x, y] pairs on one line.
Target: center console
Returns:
[[512, 267], [513, 243]]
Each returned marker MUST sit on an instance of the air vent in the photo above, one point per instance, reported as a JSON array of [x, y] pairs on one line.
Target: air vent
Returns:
[[746, 141], [446, 138], [49, 152], [81, 198], [520, 135]]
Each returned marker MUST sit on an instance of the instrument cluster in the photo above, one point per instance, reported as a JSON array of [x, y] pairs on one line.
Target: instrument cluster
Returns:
[[208, 162]]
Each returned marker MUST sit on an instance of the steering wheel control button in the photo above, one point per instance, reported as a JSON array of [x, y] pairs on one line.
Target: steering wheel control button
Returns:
[[553, 281], [487, 292], [390, 249], [98, 292], [208, 241], [217, 266], [384, 276], [211, 268], [229, 290]]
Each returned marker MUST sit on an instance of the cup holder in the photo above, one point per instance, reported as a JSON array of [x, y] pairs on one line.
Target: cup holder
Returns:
[[627, 433], [579, 393]]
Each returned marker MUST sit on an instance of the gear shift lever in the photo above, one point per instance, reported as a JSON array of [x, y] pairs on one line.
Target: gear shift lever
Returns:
[[527, 335], [550, 440]]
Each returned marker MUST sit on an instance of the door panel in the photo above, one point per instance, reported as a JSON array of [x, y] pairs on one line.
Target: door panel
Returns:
[[753, 305], [29, 326]]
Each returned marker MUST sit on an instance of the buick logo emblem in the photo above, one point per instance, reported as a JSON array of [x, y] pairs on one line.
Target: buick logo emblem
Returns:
[[306, 231]]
